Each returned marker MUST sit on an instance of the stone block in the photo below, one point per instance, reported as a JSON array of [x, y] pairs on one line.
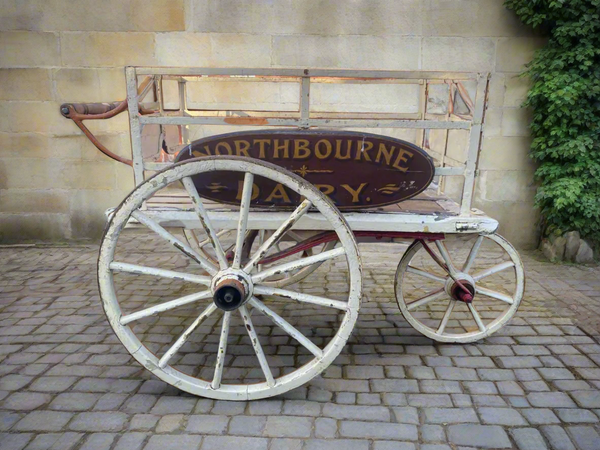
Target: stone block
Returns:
[[308, 17], [505, 186], [506, 153], [514, 52], [283, 426], [90, 85], [585, 437], [213, 50], [232, 94], [458, 54], [87, 210], [99, 421], [480, 436], [470, 18], [157, 15], [378, 430], [512, 215], [515, 121], [501, 416], [43, 421], [493, 122], [348, 52], [107, 49], [25, 49], [528, 438], [549, 251], [496, 90], [557, 437], [27, 117], [25, 84], [516, 90], [380, 98], [90, 15], [585, 254], [206, 424], [572, 245], [34, 227], [178, 442], [38, 201]]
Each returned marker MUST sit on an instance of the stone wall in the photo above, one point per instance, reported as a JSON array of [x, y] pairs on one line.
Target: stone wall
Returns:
[[54, 185]]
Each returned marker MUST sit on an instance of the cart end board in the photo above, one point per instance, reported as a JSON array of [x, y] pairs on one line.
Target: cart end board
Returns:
[[356, 170]]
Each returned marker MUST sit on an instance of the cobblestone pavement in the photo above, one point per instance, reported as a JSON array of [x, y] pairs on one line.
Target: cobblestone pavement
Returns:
[[67, 383]]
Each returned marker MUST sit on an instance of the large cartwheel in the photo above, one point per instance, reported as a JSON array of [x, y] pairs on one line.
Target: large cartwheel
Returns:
[[230, 285], [257, 246]]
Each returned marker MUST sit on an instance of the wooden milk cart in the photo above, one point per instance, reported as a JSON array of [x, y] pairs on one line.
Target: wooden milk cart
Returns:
[[268, 220]]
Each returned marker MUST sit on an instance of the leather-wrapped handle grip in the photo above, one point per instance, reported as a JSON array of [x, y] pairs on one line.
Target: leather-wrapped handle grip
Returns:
[[88, 108]]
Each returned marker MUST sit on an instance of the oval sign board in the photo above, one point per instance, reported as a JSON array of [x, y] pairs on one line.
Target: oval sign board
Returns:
[[356, 170]]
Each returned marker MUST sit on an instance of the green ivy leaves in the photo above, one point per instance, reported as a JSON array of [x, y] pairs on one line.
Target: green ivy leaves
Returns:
[[565, 100]]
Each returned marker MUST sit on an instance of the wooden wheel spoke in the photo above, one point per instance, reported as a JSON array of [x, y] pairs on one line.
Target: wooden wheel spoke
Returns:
[[446, 317], [446, 256], [277, 235], [260, 354], [300, 297], [222, 351], [184, 248], [492, 270], [440, 293], [476, 317], [425, 274], [164, 306], [298, 264], [287, 327], [212, 237], [494, 294], [472, 254], [243, 220], [162, 363], [144, 270]]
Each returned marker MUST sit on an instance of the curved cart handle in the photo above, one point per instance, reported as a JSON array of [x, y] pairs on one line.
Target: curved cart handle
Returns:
[[88, 109], [78, 112]]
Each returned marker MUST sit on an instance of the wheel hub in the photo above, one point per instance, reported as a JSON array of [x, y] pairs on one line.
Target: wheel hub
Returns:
[[231, 289], [454, 290]]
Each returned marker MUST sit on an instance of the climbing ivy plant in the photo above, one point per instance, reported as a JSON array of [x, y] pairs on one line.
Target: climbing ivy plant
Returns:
[[565, 100]]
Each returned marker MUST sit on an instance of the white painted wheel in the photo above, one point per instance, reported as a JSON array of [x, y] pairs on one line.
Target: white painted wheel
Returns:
[[171, 353], [434, 303]]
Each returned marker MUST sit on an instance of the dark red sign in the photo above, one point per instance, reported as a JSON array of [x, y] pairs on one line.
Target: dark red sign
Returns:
[[356, 170]]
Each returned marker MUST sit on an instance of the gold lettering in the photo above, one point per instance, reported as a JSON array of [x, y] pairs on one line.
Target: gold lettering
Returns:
[[242, 147], [402, 158], [386, 154], [301, 144], [362, 148], [255, 190], [223, 144], [325, 188], [328, 149], [261, 147], [354, 192], [338, 149], [197, 153], [285, 147], [279, 193]]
